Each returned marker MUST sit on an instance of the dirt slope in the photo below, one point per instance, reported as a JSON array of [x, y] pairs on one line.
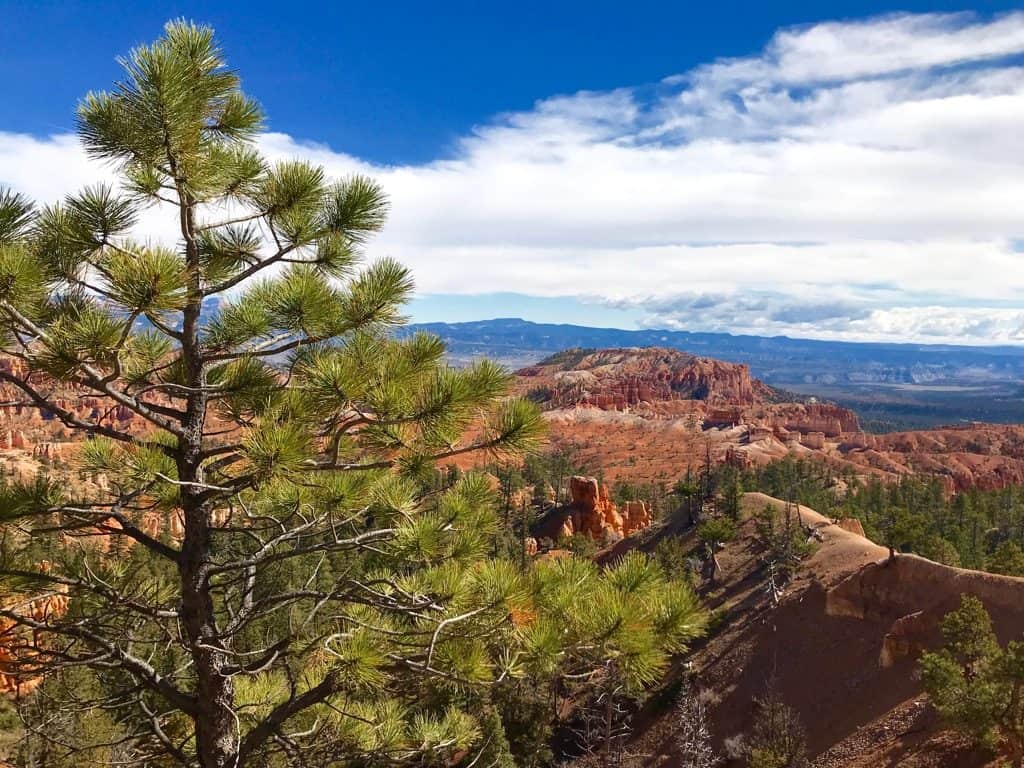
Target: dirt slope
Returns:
[[842, 645]]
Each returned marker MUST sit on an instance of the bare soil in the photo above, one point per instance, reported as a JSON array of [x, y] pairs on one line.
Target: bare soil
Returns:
[[823, 646]]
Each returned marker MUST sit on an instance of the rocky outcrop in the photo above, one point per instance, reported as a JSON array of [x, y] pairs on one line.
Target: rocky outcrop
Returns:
[[911, 595], [48, 452], [813, 440], [616, 379], [20, 647], [668, 410], [636, 515], [893, 589], [856, 441], [907, 638], [986, 456], [593, 514], [852, 525], [830, 420], [14, 438]]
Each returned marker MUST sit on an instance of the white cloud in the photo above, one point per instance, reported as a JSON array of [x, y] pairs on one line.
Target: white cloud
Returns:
[[854, 180], [772, 314]]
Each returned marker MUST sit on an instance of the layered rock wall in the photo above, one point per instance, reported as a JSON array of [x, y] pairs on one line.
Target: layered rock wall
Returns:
[[616, 379]]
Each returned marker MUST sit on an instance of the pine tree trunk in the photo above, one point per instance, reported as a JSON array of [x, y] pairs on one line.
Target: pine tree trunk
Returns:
[[215, 721], [215, 724]]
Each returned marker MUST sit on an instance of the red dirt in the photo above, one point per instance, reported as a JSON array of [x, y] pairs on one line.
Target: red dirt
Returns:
[[823, 643]]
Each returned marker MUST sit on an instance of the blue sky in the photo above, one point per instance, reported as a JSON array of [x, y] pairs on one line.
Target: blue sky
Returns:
[[838, 170], [398, 82]]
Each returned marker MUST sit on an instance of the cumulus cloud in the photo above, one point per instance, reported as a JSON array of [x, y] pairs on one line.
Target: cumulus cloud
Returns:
[[852, 180]]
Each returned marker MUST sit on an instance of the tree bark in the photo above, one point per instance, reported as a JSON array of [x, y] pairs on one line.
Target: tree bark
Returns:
[[215, 722]]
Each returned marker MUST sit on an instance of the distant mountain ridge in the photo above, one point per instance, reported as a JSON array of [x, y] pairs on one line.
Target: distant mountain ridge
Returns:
[[776, 359], [892, 387]]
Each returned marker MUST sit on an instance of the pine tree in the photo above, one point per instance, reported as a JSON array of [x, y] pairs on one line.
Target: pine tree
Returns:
[[976, 685], [1008, 559], [777, 738], [284, 579]]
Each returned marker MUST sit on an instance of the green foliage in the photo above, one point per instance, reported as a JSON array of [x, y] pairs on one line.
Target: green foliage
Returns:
[[496, 749], [783, 540], [525, 717], [914, 515], [1008, 559], [730, 488], [940, 550], [777, 738], [357, 207], [975, 684], [676, 559], [579, 544], [716, 530], [275, 570], [15, 216], [179, 105]]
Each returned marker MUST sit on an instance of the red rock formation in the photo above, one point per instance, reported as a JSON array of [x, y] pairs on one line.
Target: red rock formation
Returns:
[[18, 647], [592, 513], [48, 451], [813, 440], [590, 507], [615, 379], [636, 516], [720, 418], [737, 458], [671, 396], [856, 441]]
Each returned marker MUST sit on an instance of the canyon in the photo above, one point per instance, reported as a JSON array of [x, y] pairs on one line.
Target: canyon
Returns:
[[651, 414], [637, 414]]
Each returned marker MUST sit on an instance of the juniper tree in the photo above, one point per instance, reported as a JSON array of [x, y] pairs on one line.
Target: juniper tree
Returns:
[[283, 581]]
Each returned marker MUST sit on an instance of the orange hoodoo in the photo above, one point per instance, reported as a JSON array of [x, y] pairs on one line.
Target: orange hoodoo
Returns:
[[592, 513], [18, 646]]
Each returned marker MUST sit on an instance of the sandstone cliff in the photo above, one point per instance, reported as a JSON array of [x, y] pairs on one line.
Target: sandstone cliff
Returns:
[[645, 414], [615, 379]]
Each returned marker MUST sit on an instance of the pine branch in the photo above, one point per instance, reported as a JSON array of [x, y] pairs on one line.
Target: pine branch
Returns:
[[280, 714], [95, 587], [127, 527], [245, 274], [138, 668], [68, 418], [94, 379]]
